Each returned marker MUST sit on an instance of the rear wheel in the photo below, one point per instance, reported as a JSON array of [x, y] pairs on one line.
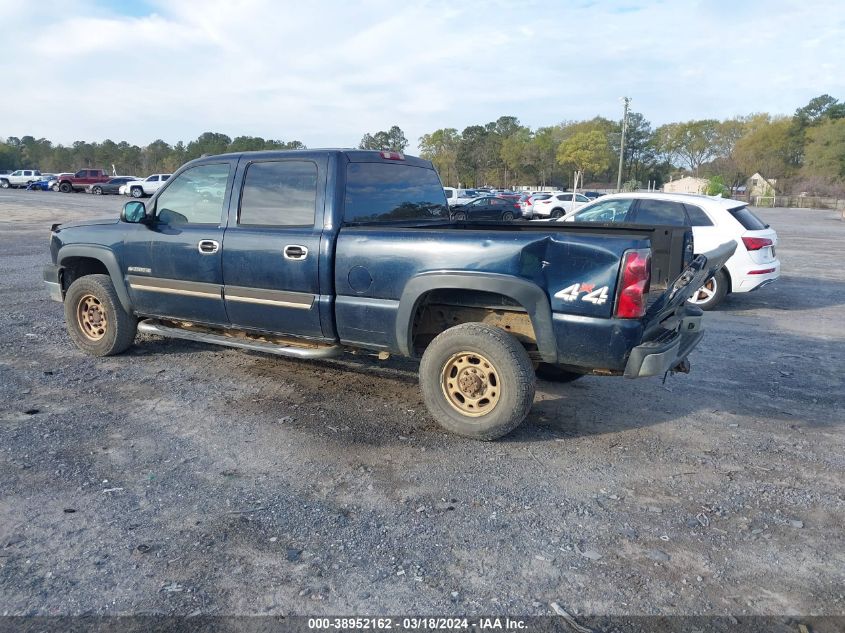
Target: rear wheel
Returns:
[[507, 216], [477, 381], [712, 292], [553, 373], [65, 187], [96, 321], [557, 213]]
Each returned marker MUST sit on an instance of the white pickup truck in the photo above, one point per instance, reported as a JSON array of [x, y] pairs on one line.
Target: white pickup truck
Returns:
[[19, 178], [460, 196], [146, 187]]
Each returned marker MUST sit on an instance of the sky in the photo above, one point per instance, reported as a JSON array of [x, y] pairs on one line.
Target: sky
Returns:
[[326, 72]]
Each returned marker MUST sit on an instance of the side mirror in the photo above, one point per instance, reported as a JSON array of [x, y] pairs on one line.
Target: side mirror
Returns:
[[133, 212]]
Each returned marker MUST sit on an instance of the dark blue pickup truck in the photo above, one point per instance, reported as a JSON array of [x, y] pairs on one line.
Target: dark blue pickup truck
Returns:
[[311, 253]]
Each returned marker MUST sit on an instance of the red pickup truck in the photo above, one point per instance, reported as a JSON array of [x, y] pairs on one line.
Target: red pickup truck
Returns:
[[81, 179]]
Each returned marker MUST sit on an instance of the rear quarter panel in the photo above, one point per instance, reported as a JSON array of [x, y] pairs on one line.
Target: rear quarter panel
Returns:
[[374, 265]]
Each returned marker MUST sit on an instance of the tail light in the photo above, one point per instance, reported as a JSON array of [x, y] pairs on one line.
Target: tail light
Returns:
[[392, 155], [634, 283], [756, 243]]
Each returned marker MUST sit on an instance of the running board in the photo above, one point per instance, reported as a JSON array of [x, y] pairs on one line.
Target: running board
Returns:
[[150, 326]]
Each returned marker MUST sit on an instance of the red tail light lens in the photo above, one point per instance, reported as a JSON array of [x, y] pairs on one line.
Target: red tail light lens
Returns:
[[633, 288], [393, 156], [756, 243]]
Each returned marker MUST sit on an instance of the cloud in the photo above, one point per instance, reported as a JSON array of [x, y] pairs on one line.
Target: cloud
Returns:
[[327, 72]]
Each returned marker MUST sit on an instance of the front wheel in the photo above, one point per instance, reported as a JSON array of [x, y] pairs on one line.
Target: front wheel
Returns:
[[137, 192], [712, 292], [97, 191], [96, 321], [460, 215], [65, 187], [477, 381]]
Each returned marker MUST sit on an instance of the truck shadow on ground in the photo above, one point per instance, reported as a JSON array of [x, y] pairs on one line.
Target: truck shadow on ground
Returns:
[[775, 383]]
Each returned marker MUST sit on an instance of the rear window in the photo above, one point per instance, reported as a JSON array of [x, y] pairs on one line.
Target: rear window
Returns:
[[389, 192], [747, 219]]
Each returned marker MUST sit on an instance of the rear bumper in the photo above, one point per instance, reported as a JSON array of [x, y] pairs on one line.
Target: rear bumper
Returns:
[[656, 357], [52, 282], [744, 282]]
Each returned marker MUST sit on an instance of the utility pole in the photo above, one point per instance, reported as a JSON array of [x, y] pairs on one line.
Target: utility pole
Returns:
[[627, 101]]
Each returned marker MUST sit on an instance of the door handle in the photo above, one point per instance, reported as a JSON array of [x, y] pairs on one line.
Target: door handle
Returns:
[[295, 252], [208, 247]]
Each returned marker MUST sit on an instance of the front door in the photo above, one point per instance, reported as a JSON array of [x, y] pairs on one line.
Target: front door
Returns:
[[271, 249], [173, 265]]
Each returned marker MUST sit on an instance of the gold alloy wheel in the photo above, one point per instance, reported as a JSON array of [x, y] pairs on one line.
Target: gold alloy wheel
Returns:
[[91, 317], [470, 383]]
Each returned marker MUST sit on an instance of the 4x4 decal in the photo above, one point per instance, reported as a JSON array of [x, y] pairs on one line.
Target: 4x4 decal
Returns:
[[596, 296]]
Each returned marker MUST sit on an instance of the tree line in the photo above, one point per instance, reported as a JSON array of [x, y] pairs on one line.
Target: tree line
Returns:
[[804, 152], [129, 159]]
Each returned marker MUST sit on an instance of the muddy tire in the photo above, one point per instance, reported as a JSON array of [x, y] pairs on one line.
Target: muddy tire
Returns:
[[713, 292], [553, 373], [96, 321], [477, 381]]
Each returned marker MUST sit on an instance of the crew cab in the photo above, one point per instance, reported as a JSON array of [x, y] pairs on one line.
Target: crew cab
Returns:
[[19, 178], [146, 187], [82, 180], [312, 253]]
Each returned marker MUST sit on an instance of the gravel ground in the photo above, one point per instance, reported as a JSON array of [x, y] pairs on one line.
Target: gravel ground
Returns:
[[183, 478]]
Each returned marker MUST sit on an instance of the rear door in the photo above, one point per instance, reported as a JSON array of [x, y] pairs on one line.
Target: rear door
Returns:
[[271, 249]]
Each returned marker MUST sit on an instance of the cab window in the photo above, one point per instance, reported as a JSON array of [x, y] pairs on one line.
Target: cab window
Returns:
[[279, 193], [195, 196]]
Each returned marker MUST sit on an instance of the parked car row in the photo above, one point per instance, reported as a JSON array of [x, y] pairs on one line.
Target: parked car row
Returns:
[[95, 181]]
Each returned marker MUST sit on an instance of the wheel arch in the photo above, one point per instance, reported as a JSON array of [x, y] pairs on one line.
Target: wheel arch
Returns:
[[78, 260], [727, 272], [525, 294]]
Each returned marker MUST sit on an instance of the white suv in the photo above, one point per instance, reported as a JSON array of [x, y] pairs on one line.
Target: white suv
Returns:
[[714, 221], [558, 204]]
